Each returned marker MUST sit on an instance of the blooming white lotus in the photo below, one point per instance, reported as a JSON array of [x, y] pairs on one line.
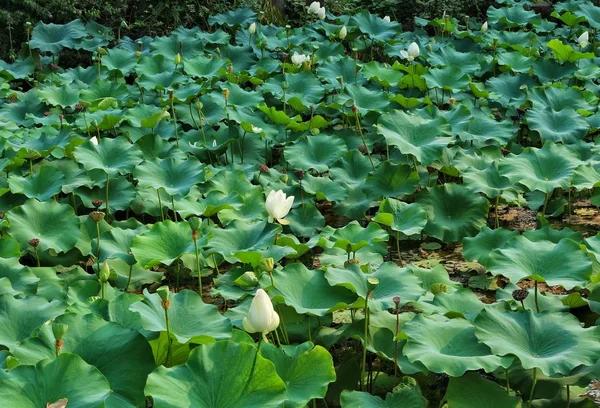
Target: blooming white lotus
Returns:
[[343, 33], [299, 59], [387, 18], [256, 129], [94, 141], [484, 27], [321, 13], [252, 29], [314, 7], [583, 39], [261, 317], [413, 52], [278, 205]]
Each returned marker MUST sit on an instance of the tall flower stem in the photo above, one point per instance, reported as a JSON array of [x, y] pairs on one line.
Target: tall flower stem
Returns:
[[537, 305], [195, 237], [107, 184], [396, 344], [398, 247], [37, 258], [177, 271], [363, 386], [532, 388], [98, 246], [173, 208], [129, 278], [358, 126], [162, 215], [166, 304]]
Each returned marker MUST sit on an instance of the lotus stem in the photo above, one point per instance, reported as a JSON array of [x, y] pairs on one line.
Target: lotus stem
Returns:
[[169, 340], [537, 305], [98, 246], [87, 128], [284, 332], [103, 289], [174, 122], [497, 223], [107, 184], [37, 258], [569, 204], [277, 338], [309, 330], [364, 356], [193, 119], [198, 265], [260, 340], [363, 138], [545, 204], [162, 215], [396, 344], [129, 278], [507, 381], [30, 166], [398, 247], [568, 396], [532, 388], [173, 208], [177, 271]]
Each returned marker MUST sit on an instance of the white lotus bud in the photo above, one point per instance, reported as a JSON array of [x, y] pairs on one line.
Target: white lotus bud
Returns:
[[299, 59], [278, 205], [252, 29], [343, 33], [261, 317], [94, 141], [387, 18], [256, 129], [583, 39], [321, 13], [413, 50], [484, 27], [314, 7]]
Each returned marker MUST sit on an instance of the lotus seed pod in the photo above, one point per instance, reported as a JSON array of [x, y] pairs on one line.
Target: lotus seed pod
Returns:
[[59, 330], [195, 223], [315, 131], [299, 174], [263, 168], [372, 283], [284, 178], [163, 292], [97, 203], [198, 105], [27, 25], [34, 242], [396, 300], [520, 294], [353, 261], [97, 216], [267, 265], [439, 288], [102, 51]]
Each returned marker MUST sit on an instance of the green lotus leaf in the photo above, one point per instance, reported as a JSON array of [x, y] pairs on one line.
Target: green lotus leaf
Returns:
[[546, 301], [565, 53], [391, 180], [221, 374], [53, 38], [486, 130], [324, 189], [344, 67], [306, 220], [203, 67], [438, 275], [479, 247], [20, 317], [353, 237], [449, 56], [351, 169], [20, 69], [489, 181], [122, 355], [451, 79], [364, 99], [243, 237], [305, 369], [46, 383], [307, 291], [402, 397], [164, 243], [515, 61], [508, 89], [120, 195], [555, 343], [449, 346], [59, 96], [481, 393], [590, 12], [375, 27], [115, 244], [462, 303], [190, 319], [20, 277], [111, 155], [564, 126], [393, 281], [175, 176], [548, 234], [513, 16], [54, 224], [562, 264], [43, 184], [304, 89], [240, 17], [453, 212], [315, 152], [119, 60], [425, 139], [409, 219]]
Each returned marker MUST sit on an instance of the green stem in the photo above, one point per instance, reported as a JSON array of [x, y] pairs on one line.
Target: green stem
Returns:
[[173, 208], [174, 123], [103, 289], [545, 204], [497, 223], [532, 388], [396, 346], [169, 340], [398, 247], [309, 330], [37, 258], [284, 332], [241, 147], [363, 139], [162, 215], [568, 396], [177, 270], [198, 266], [507, 381], [537, 305], [129, 278], [87, 128], [107, 184], [193, 119], [98, 245], [364, 356]]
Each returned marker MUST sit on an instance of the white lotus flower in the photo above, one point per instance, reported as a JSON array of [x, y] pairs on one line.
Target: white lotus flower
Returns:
[[387, 18], [252, 29], [94, 141], [484, 27], [214, 143], [314, 7], [299, 59], [278, 205], [321, 13], [261, 317], [343, 33], [256, 129], [583, 39], [413, 52]]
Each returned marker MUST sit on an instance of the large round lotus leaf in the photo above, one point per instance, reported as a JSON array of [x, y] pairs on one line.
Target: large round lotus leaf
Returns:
[[322, 188], [353, 237], [49, 381], [409, 219], [306, 220], [402, 397], [453, 212], [203, 67], [120, 193], [375, 27], [166, 242], [565, 126], [315, 152], [390, 180], [241, 238], [232, 18], [120, 60], [62, 96], [489, 181], [542, 169], [548, 234], [115, 244], [54, 224], [479, 247], [461, 303], [485, 130], [122, 355], [546, 301], [21, 278], [512, 16], [351, 169], [449, 346], [111, 155], [175, 176], [305, 369], [436, 275], [344, 67], [45, 183], [20, 317], [425, 139], [393, 281], [553, 342], [364, 99], [452, 79], [564, 264], [304, 89], [448, 56], [189, 317], [307, 291], [54, 37], [473, 390], [224, 374]]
